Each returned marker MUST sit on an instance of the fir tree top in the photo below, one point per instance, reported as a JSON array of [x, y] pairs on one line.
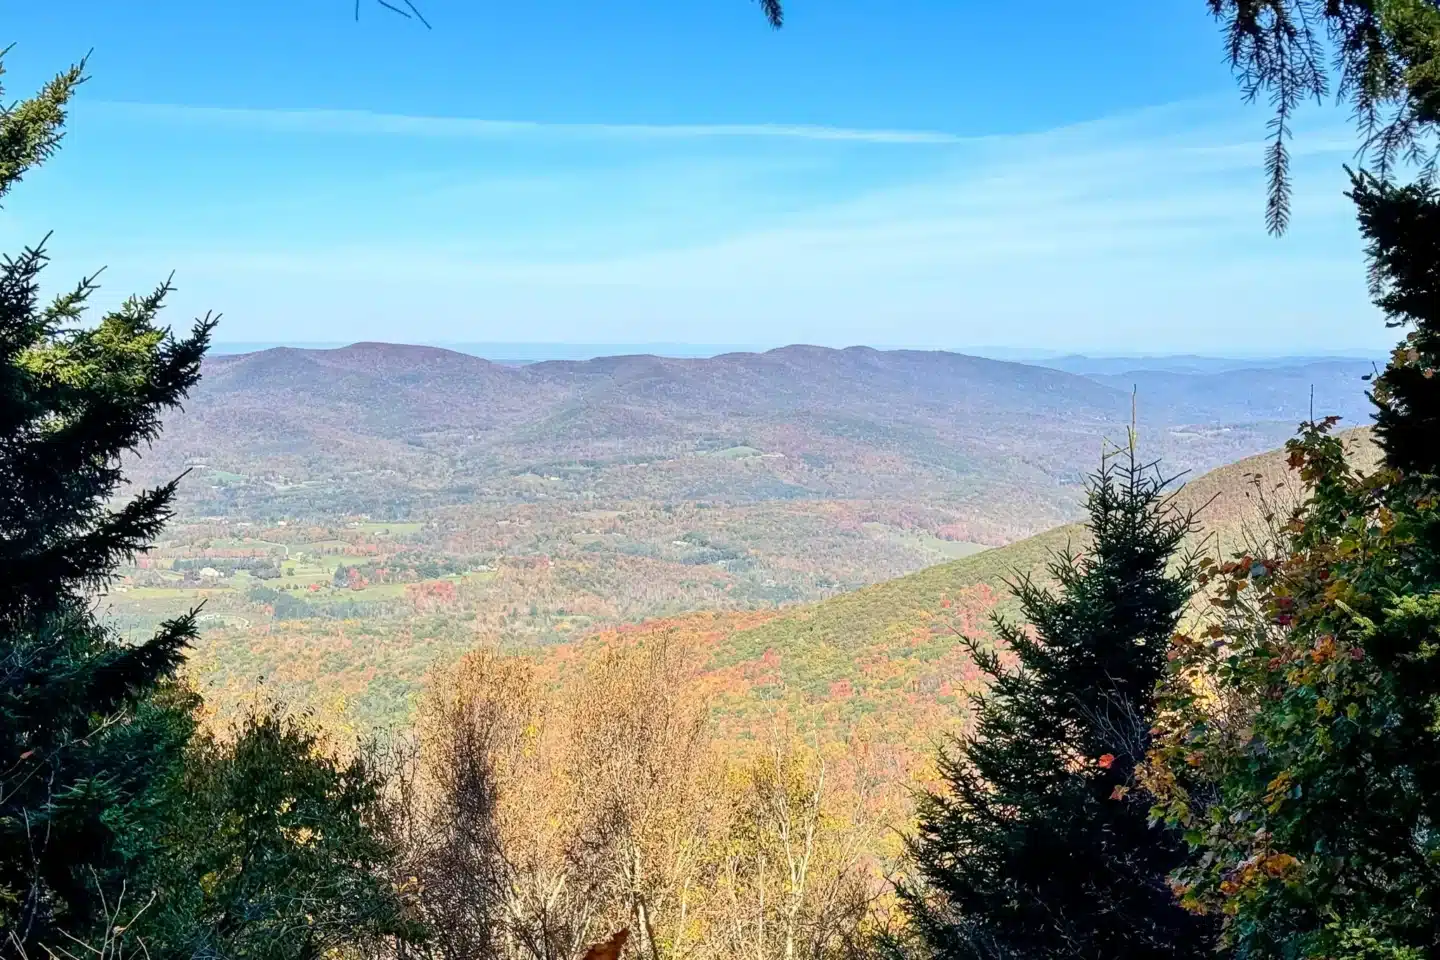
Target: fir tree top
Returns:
[[74, 400]]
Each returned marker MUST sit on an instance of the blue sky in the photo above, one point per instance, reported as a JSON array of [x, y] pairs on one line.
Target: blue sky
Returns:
[[921, 172]]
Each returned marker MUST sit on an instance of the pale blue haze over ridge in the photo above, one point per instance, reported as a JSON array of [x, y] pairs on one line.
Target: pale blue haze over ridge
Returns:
[[932, 172]]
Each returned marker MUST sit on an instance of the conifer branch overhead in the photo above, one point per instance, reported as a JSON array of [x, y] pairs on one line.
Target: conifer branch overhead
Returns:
[[1380, 57], [773, 11], [409, 12]]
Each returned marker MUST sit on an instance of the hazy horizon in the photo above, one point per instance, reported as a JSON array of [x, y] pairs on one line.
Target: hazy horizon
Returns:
[[680, 173], [566, 350]]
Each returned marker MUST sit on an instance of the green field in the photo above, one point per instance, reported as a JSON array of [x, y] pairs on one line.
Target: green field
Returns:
[[391, 529]]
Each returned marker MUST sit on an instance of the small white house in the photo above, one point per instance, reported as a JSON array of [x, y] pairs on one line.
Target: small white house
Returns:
[[210, 573]]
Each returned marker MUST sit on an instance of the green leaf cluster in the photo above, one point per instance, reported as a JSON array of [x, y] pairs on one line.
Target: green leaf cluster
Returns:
[[1317, 838]]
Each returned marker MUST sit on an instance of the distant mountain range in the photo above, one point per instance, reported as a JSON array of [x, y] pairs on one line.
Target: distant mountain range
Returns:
[[516, 354], [1000, 447], [1192, 364]]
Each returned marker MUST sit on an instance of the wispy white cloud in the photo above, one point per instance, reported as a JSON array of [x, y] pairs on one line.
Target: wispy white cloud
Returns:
[[318, 121], [1142, 231], [367, 123]]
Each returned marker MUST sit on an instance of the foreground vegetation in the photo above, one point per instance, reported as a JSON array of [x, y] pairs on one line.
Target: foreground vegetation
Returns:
[[118, 814], [1167, 755]]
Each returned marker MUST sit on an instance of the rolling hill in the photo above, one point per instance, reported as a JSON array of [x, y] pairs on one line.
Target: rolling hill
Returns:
[[992, 450], [889, 651], [884, 656]]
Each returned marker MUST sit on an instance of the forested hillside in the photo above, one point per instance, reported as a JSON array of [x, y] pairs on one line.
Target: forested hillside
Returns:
[[352, 624], [992, 450], [351, 496]]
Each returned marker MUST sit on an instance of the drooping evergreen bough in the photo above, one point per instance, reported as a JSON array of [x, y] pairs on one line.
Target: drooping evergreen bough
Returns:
[[1037, 846]]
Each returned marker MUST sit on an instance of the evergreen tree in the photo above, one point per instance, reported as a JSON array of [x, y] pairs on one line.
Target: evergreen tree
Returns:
[[1320, 840], [1309, 707], [118, 820], [89, 725], [1402, 225], [1036, 847]]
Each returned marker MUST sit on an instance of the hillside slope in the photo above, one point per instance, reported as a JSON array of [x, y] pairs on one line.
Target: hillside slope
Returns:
[[889, 651]]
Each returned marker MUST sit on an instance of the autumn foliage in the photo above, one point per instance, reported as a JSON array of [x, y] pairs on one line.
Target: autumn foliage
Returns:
[[549, 803], [1299, 748]]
